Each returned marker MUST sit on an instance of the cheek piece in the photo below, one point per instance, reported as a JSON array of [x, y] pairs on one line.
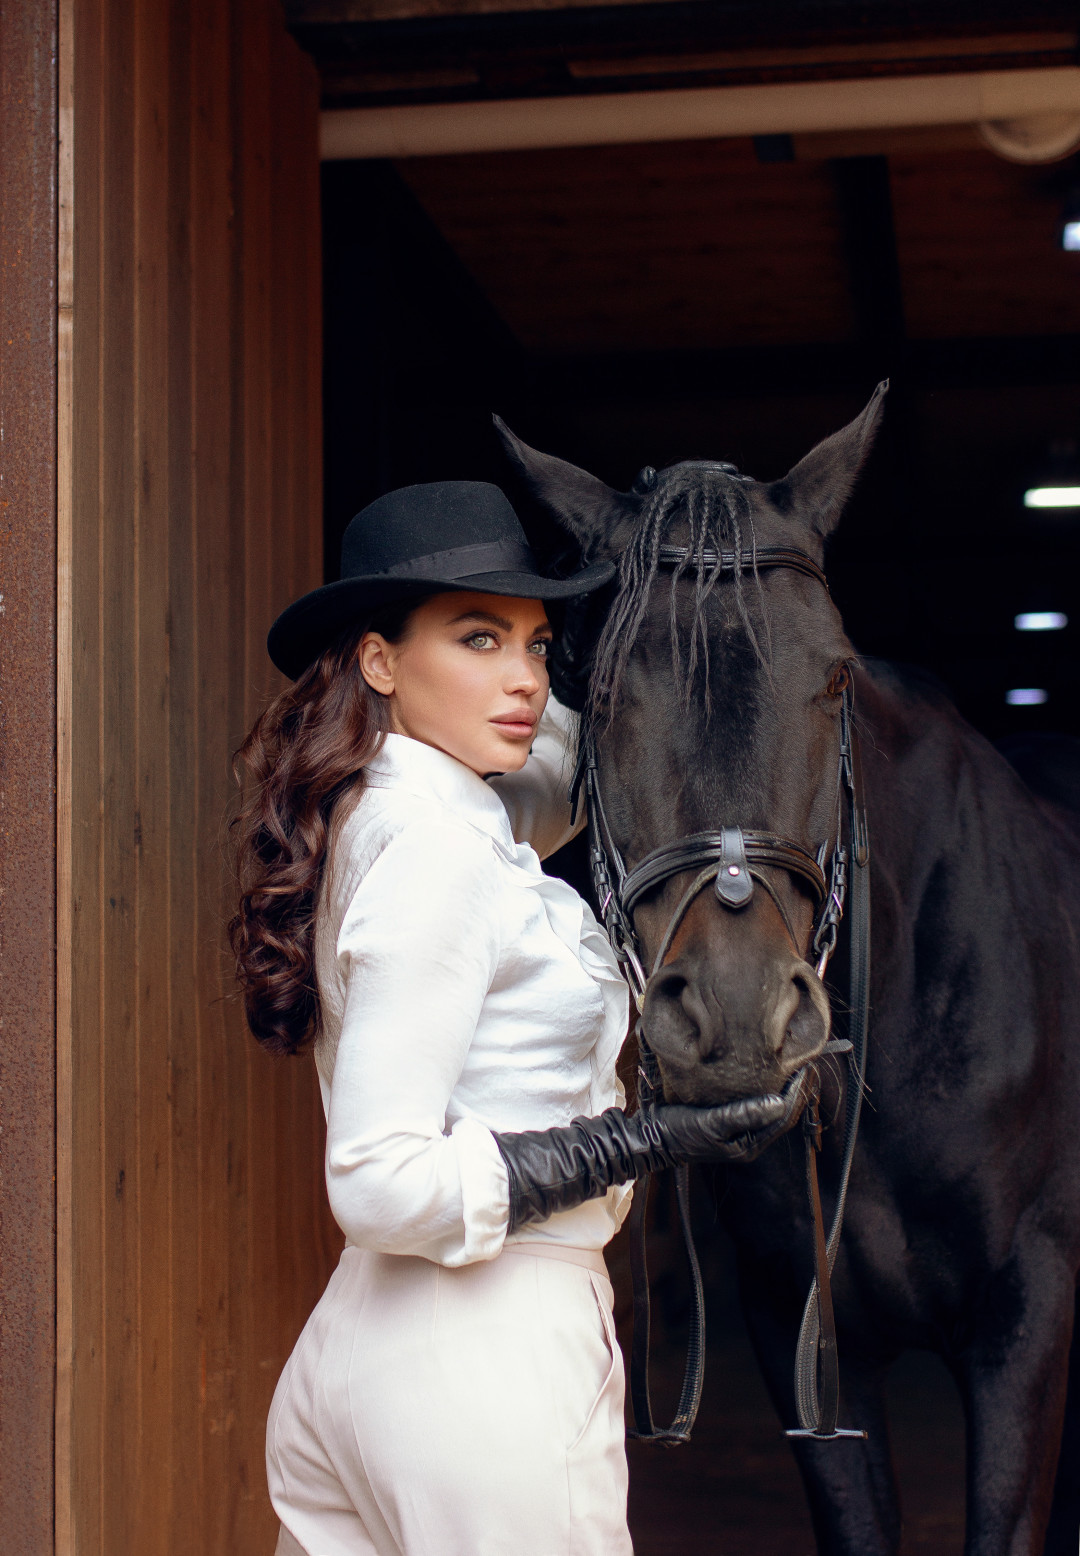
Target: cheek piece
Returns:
[[556, 1169]]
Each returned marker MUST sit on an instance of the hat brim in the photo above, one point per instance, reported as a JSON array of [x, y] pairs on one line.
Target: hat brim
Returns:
[[310, 624]]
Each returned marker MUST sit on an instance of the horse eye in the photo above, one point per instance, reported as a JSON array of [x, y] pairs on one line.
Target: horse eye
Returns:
[[645, 480], [840, 682]]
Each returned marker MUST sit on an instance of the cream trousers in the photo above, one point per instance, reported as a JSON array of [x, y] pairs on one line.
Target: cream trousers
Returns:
[[477, 1411]]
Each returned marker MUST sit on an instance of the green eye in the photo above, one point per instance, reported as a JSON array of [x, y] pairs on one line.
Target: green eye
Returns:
[[541, 648], [480, 640]]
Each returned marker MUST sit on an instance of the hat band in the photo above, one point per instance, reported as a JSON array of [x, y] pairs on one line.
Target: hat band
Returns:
[[498, 556]]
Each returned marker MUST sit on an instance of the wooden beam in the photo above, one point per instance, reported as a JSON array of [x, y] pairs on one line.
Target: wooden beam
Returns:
[[434, 129], [411, 51], [866, 223]]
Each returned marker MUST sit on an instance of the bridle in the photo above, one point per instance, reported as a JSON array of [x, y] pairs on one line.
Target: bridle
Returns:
[[736, 859]]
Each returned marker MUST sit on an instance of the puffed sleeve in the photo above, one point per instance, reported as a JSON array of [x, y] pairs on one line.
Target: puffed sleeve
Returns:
[[418, 950], [537, 798]]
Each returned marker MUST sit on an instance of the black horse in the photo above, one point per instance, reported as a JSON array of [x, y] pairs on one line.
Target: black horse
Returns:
[[715, 700]]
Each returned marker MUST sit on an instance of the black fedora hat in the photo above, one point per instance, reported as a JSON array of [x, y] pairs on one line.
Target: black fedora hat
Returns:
[[416, 541]]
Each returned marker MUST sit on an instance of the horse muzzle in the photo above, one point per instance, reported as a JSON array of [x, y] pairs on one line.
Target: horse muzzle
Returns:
[[716, 1041]]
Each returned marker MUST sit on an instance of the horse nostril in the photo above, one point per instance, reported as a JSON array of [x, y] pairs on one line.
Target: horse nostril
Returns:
[[677, 1021], [669, 985], [808, 1027]]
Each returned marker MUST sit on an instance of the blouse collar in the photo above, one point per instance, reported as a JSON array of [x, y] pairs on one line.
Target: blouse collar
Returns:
[[423, 770]]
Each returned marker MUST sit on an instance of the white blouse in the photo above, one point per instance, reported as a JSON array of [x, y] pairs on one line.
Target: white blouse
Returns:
[[462, 991]]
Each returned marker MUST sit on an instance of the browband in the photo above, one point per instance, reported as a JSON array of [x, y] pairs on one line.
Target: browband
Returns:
[[746, 561]]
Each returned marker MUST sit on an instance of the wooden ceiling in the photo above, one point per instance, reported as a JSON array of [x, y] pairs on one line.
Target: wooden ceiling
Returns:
[[702, 246], [699, 246], [399, 51]]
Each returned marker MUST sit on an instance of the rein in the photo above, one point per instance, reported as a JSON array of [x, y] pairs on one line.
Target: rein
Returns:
[[735, 860]]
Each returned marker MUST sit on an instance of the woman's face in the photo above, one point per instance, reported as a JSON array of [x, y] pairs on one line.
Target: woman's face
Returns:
[[468, 677]]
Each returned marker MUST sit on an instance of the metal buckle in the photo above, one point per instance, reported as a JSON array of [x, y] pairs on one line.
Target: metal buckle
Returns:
[[814, 1435]]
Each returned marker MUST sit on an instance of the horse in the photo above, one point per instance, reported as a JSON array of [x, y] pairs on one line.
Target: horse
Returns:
[[715, 699]]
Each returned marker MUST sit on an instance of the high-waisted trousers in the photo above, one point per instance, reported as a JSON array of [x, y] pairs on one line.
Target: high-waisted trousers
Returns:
[[478, 1411]]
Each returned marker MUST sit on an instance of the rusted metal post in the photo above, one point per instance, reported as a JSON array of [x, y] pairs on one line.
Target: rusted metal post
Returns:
[[28, 135]]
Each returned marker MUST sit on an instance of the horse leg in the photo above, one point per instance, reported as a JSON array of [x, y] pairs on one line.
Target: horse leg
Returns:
[[1013, 1376], [850, 1485], [1063, 1534]]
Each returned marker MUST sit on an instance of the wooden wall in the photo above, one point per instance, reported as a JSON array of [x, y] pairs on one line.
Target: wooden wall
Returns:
[[192, 1238]]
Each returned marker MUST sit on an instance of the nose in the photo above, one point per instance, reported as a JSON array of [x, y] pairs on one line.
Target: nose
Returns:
[[521, 673], [716, 1043]]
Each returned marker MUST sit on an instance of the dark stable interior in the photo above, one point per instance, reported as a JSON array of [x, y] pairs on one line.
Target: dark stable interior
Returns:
[[632, 305]]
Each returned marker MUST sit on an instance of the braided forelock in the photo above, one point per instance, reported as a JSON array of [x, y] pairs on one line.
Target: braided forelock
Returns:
[[717, 513]]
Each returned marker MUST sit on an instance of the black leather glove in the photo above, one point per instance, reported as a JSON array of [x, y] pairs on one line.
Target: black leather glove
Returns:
[[556, 1169]]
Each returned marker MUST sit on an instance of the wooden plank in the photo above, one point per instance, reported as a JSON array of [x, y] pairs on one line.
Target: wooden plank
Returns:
[[186, 1358], [213, 302], [80, 1145], [177, 549], [119, 700], [153, 1503], [254, 1270]]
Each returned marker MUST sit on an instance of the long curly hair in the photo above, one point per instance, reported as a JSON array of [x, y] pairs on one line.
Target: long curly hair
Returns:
[[306, 751]]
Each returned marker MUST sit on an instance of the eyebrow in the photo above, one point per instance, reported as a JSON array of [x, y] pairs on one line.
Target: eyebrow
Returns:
[[494, 621]]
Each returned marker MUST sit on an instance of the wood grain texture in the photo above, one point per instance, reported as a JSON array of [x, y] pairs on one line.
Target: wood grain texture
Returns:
[[668, 246], [195, 1237], [696, 245]]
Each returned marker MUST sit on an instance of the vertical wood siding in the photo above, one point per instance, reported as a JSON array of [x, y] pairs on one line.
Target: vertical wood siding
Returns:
[[193, 1235]]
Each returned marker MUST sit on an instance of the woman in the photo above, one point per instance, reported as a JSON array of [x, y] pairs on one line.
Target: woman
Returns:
[[458, 1388]]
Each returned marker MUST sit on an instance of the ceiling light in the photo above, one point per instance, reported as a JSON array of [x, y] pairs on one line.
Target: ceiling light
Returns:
[[1054, 481], [1052, 497], [1069, 228], [1040, 621], [1025, 696]]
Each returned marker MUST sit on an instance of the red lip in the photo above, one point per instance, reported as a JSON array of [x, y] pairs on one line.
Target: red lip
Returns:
[[525, 719]]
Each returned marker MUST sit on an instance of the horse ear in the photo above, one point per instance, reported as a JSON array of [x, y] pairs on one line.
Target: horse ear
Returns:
[[599, 518], [821, 483]]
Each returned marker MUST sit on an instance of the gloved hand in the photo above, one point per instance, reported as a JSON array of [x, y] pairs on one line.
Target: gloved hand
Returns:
[[556, 1169]]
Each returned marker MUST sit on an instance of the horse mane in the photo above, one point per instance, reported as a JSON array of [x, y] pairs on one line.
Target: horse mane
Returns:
[[717, 514]]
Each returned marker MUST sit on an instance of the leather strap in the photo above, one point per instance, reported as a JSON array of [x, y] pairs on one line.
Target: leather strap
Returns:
[[703, 848], [733, 884], [645, 1429], [753, 561], [732, 854], [818, 1313]]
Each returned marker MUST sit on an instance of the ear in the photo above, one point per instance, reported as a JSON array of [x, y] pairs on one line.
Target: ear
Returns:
[[599, 518], [375, 665], [821, 483]]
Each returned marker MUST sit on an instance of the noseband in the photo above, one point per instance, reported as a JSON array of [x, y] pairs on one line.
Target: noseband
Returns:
[[735, 859]]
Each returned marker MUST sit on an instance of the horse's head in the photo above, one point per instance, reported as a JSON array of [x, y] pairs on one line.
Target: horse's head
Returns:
[[715, 701]]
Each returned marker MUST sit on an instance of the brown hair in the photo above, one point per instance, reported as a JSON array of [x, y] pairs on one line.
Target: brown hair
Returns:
[[305, 752]]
